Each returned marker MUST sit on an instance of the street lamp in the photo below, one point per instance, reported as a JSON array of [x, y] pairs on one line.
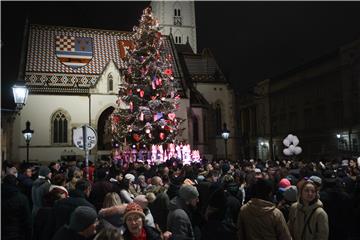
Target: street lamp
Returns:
[[20, 93], [27, 135], [225, 135]]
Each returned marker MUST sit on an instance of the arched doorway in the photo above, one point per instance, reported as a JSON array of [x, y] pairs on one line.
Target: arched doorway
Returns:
[[104, 131]]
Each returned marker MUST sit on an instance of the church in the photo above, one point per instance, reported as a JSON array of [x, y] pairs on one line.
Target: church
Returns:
[[63, 97]]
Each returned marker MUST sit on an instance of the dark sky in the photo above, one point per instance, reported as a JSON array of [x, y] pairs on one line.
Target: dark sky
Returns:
[[251, 40]]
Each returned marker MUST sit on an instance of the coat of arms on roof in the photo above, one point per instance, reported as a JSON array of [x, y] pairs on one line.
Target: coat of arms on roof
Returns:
[[124, 47], [74, 51]]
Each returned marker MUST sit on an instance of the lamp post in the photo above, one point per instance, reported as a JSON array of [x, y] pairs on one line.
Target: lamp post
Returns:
[[20, 93], [27, 135], [225, 135]]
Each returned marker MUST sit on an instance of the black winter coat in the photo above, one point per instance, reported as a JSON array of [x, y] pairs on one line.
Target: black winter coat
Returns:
[[44, 224], [66, 233], [15, 214], [64, 207]]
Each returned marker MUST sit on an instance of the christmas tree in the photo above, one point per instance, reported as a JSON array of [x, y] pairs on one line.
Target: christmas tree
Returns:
[[147, 100]]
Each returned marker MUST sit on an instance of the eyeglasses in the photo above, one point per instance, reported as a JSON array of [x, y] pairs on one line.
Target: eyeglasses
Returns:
[[133, 219]]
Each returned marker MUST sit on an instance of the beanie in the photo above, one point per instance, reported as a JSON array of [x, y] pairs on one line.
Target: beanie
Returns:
[[133, 208], [82, 218], [44, 171], [141, 200], [188, 192], [317, 180], [290, 193], [130, 177], [283, 184]]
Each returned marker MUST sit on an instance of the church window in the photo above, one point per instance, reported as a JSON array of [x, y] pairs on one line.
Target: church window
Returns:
[[195, 129], [218, 118], [110, 83], [177, 17], [60, 128], [178, 39]]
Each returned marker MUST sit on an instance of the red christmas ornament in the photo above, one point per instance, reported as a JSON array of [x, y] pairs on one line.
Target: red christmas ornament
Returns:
[[136, 137], [142, 93], [116, 119], [162, 136], [168, 72], [171, 116]]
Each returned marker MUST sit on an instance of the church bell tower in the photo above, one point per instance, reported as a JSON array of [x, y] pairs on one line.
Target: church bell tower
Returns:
[[177, 18]]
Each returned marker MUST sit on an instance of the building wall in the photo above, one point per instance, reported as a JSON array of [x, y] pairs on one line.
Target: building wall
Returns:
[[221, 93], [316, 102], [80, 110]]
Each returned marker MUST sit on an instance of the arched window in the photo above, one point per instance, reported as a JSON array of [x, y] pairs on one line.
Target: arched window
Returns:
[[59, 128], [195, 129], [177, 17], [177, 12], [177, 39], [110, 83], [218, 118]]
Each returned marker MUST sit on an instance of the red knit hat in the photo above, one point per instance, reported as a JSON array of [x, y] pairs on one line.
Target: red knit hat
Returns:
[[283, 184], [133, 208]]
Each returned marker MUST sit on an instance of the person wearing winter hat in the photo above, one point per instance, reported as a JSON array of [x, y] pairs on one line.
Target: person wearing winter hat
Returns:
[[39, 188], [180, 212], [289, 197], [134, 223], [259, 218], [83, 222]]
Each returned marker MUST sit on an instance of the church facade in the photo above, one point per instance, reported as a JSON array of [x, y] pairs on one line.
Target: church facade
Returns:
[[65, 94]]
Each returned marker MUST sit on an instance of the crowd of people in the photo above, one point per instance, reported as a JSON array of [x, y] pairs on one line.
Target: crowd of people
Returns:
[[249, 199]]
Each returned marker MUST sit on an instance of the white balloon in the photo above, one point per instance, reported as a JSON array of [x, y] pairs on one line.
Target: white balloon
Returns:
[[297, 150], [295, 141], [286, 142], [292, 148], [287, 152], [290, 137]]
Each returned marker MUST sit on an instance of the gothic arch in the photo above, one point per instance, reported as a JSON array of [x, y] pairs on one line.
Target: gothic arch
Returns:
[[110, 82], [103, 129], [219, 115], [196, 133], [178, 37], [60, 131]]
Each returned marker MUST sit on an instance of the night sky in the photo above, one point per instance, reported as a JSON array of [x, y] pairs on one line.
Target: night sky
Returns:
[[251, 40]]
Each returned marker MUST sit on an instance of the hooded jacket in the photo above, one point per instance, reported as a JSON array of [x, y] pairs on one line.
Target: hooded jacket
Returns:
[[39, 189], [318, 226], [260, 219], [178, 221]]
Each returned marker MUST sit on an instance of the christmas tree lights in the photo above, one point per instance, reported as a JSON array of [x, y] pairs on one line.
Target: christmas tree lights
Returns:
[[147, 100]]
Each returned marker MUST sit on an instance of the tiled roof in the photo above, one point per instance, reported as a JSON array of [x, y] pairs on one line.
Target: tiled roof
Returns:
[[43, 67], [203, 67], [184, 48], [41, 49]]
